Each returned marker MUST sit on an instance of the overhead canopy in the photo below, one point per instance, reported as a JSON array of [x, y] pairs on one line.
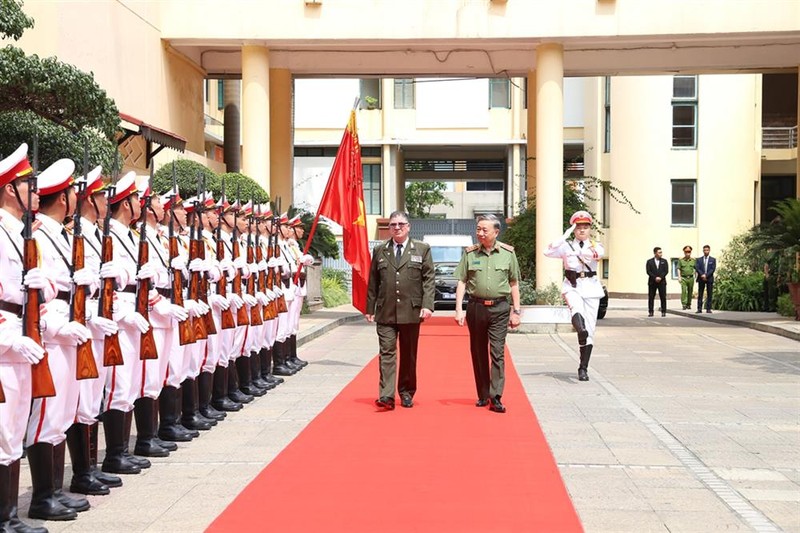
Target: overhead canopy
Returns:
[[152, 135]]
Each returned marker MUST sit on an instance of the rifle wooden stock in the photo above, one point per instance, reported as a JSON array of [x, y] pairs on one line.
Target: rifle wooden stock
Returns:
[[185, 327], [147, 346], [86, 368], [41, 378], [195, 286], [112, 352], [211, 328], [282, 307], [262, 285], [241, 315], [226, 315], [255, 311]]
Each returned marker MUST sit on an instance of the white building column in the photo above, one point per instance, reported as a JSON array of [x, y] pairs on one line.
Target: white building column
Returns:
[[255, 114], [549, 158], [281, 138]]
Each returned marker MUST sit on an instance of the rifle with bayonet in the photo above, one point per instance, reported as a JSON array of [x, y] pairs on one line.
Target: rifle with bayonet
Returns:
[[255, 311], [236, 285], [226, 315], [147, 347], [262, 276], [86, 368], [274, 251], [112, 352], [41, 378], [196, 278], [211, 328], [185, 327]]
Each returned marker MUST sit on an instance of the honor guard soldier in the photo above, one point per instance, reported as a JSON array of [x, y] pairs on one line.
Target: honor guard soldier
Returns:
[[288, 267], [52, 417], [303, 261], [269, 231], [489, 273], [581, 288], [17, 352]]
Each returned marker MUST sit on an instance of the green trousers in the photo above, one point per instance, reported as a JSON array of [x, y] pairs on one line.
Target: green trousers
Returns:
[[687, 290]]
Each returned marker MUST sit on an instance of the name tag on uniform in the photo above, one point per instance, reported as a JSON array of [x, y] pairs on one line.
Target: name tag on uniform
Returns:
[[476, 263], [416, 259]]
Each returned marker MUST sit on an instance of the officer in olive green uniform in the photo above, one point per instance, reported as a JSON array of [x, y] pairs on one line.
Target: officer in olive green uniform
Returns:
[[686, 276], [399, 297], [489, 273]]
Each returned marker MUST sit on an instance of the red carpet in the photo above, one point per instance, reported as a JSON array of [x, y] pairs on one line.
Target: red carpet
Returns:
[[442, 466]]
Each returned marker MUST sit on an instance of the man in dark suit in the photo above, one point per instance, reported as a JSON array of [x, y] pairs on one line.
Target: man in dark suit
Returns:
[[705, 267], [657, 270], [399, 297]]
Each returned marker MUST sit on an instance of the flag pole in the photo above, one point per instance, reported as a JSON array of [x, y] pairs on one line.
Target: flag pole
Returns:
[[324, 194]]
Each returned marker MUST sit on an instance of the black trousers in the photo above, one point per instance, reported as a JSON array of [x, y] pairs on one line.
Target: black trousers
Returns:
[[662, 294], [488, 327], [708, 286]]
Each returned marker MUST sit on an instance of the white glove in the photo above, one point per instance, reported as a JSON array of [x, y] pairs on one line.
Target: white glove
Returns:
[[198, 265], [35, 279], [204, 307], [136, 320], [26, 349], [192, 307], [306, 260], [262, 298], [110, 269], [166, 308], [278, 292], [240, 263], [218, 302], [178, 263], [235, 300], [146, 271], [102, 327], [273, 263], [558, 242], [214, 273], [270, 295], [84, 277], [249, 300], [262, 266], [75, 332]]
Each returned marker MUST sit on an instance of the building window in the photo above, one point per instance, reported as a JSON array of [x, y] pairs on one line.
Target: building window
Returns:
[[220, 94], [372, 188], [607, 124], [684, 200], [370, 93], [606, 206], [495, 185], [684, 112], [499, 93], [606, 266], [205, 90], [404, 93]]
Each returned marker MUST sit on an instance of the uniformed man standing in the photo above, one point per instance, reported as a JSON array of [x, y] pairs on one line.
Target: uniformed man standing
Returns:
[[581, 288], [399, 297], [489, 273], [686, 276]]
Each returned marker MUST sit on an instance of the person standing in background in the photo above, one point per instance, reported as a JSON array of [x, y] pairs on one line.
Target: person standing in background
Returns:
[[705, 267], [657, 271], [686, 276]]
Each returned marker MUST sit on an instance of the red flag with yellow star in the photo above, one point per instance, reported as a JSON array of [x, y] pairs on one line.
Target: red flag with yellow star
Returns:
[[343, 203]]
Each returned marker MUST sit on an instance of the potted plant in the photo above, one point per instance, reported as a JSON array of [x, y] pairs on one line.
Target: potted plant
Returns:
[[542, 306]]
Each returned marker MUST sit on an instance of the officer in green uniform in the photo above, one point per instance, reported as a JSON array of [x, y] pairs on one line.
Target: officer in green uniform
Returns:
[[686, 276], [489, 273]]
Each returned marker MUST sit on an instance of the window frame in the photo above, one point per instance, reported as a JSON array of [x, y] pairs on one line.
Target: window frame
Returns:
[[220, 94], [689, 102], [369, 208], [607, 117], [504, 82], [408, 90], [673, 203]]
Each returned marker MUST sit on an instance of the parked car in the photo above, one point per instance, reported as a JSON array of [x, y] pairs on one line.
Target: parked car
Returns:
[[446, 251]]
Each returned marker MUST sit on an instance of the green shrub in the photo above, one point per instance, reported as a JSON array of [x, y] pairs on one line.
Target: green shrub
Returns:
[[739, 292], [334, 288], [785, 305], [550, 295]]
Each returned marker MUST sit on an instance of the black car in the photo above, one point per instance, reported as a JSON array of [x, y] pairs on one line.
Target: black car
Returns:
[[444, 294]]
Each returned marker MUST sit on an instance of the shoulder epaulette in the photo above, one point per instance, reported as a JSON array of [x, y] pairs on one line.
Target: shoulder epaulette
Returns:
[[593, 243], [505, 246], [473, 248]]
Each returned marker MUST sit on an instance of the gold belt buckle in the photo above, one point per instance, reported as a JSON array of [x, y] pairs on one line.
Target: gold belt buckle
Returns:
[[488, 303], [582, 274]]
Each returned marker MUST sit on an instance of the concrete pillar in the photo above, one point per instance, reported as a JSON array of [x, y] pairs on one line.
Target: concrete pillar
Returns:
[[232, 99], [255, 116], [281, 138], [549, 158], [530, 162]]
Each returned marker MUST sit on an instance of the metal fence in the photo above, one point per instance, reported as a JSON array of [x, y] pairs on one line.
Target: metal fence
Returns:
[[783, 137], [343, 266]]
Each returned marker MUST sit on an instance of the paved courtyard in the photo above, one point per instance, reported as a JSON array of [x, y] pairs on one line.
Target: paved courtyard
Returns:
[[686, 425]]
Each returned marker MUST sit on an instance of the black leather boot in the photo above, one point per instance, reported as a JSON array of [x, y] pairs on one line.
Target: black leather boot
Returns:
[[167, 445], [233, 388], [83, 478], [586, 354], [255, 373], [44, 504], [9, 497], [146, 444], [580, 326], [190, 418], [220, 399], [246, 385], [279, 367], [293, 357], [116, 462], [204, 387], [141, 461], [265, 354], [78, 504], [109, 480], [169, 428]]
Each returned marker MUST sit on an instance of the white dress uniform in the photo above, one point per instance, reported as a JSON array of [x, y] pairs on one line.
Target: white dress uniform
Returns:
[[289, 288], [213, 346], [164, 325]]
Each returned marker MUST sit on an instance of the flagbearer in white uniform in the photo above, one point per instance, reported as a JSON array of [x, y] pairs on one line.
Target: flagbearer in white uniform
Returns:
[[17, 352], [581, 289]]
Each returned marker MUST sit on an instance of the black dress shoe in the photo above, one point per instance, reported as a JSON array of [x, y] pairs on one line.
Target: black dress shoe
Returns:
[[482, 402], [386, 403], [406, 400], [663, 314], [106, 479], [649, 314], [496, 405], [708, 311], [167, 445], [698, 311], [583, 375]]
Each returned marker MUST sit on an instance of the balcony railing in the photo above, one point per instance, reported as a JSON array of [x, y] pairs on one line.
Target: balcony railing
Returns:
[[779, 137]]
